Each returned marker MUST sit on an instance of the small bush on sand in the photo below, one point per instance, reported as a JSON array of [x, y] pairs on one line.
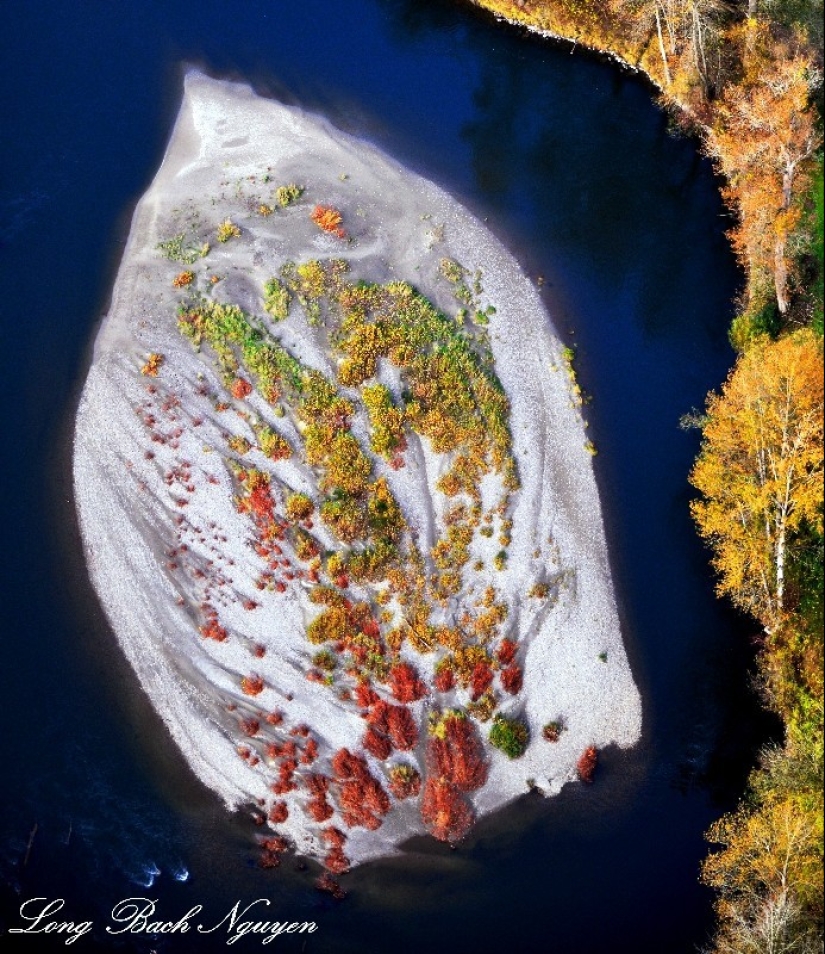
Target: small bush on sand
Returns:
[[510, 736]]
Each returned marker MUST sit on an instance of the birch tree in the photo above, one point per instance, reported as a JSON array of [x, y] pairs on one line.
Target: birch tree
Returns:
[[760, 469]]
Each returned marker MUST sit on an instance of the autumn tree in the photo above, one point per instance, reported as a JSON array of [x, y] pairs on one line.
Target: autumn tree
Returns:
[[768, 877], [760, 469], [765, 131]]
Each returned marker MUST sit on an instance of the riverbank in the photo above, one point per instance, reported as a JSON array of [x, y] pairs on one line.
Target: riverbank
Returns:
[[761, 127], [182, 475], [748, 85]]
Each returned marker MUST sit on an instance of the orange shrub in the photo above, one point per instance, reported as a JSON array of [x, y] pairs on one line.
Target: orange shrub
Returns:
[[241, 388], [328, 219], [252, 685], [586, 766], [153, 365], [183, 279]]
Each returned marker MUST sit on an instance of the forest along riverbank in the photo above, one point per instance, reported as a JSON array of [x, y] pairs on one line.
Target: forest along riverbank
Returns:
[[748, 78]]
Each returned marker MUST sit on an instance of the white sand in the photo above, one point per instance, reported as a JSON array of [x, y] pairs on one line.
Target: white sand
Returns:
[[224, 133]]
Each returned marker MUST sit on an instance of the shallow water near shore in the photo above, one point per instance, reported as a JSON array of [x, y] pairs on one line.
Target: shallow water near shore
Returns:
[[574, 170]]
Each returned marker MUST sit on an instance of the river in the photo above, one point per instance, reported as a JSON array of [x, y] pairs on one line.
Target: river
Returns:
[[573, 167]]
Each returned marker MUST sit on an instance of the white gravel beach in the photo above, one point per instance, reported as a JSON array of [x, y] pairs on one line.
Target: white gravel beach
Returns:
[[162, 531]]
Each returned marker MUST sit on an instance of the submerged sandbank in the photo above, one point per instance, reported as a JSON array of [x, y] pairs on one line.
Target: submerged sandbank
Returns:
[[218, 530]]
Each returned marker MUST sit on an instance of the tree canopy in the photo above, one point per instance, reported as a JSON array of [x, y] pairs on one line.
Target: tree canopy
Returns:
[[760, 469]]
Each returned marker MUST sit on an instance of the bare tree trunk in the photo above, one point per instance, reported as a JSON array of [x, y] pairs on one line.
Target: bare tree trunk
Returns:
[[780, 569], [780, 264], [662, 46], [752, 8]]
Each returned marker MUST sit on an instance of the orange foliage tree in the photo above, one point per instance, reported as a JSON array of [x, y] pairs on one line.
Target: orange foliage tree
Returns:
[[765, 130]]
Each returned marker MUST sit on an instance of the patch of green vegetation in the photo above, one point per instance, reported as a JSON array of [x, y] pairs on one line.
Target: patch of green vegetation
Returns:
[[276, 299], [509, 735], [285, 195], [178, 249]]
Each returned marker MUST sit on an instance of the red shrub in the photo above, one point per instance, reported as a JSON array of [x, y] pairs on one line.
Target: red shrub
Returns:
[[365, 695], [344, 764], [275, 718], [378, 717], [212, 629], [252, 685], [275, 843], [278, 813], [249, 726], [405, 684], [459, 756], [444, 679], [241, 388], [506, 651], [363, 801], [480, 680], [336, 861], [402, 728], [586, 766], [327, 883], [512, 679], [268, 859], [405, 782], [310, 753], [376, 744], [319, 809], [317, 785], [333, 837], [444, 810]]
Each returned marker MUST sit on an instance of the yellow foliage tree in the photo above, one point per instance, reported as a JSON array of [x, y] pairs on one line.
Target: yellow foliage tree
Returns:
[[768, 876], [760, 469]]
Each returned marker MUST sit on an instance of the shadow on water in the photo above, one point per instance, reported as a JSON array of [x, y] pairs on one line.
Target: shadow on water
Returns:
[[573, 168]]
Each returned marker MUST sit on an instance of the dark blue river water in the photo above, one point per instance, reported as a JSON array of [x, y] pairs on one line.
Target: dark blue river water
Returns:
[[574, 167]]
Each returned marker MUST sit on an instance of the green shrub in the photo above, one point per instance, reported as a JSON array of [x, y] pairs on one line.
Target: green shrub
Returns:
[[510, 736]]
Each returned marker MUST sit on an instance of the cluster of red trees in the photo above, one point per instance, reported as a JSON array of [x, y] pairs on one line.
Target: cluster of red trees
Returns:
[[405, 684], [455, 763], [335, 860], [362, 799], [480, 680], [396, 722], [318, 806]]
